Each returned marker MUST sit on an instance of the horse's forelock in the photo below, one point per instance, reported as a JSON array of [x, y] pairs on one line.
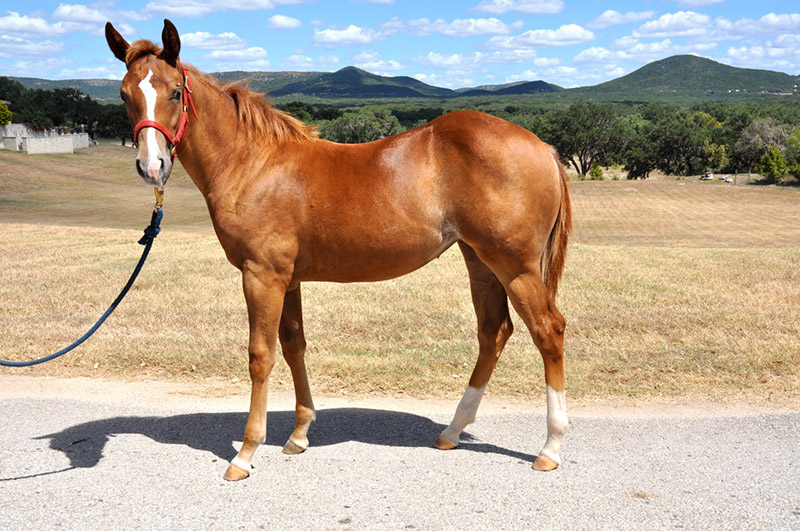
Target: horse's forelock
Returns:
[[139, 49]]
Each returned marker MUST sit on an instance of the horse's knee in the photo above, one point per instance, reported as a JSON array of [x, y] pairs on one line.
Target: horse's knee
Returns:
[[261, 362]]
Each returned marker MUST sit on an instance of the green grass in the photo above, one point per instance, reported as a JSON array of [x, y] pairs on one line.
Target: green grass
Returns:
[[673, 290]]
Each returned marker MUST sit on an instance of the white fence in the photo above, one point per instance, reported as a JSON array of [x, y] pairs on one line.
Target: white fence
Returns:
[[18, 137]]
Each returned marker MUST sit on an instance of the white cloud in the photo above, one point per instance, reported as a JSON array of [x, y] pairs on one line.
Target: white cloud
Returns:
[[787, 40], [16, 47], [24, 26], [680, 24], [698, 3], [566, 35], [199, 8], [246, 54], [283, 22], [203, 40], [372, 61], [521, 6], [527, 75], [457, 28], [254, 58], [105, 72], [78, 13], [468, 62], [297, 62], [762, 57], [427, 78], [597, 54], [36, 67], [303, 62], [767, 25], [613, 18], [99, 13], [350, 35]]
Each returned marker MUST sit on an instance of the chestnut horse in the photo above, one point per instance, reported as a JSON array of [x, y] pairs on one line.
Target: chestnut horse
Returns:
[[288, 207]]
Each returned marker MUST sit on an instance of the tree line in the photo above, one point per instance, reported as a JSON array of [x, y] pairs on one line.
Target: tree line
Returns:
[[69, 108], [677, 140]]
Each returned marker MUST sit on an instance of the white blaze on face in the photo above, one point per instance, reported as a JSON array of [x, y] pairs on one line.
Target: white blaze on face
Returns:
[[150, 95]]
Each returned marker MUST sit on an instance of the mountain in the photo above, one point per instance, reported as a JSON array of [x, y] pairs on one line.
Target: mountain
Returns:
[[349, 82], [99, 89], [691, 77], [352, 82], [681, 78], [530, 87]]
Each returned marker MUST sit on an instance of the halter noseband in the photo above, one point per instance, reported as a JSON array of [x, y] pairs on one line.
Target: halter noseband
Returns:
[[173, 140]]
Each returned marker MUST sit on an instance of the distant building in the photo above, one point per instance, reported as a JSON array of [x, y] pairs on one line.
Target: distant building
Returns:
[[19, 137]]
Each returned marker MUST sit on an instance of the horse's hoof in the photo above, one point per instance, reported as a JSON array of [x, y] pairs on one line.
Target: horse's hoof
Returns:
[[235, 473], [292, 448], [442, 443], [544, 463]]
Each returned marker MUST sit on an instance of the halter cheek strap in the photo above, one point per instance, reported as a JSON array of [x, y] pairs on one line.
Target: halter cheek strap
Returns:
[[182, 127]]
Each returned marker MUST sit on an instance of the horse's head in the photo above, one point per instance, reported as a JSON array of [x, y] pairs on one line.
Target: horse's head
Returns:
[[153, 92]]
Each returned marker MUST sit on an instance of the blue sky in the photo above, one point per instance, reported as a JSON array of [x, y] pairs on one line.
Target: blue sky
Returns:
[[444, 43]]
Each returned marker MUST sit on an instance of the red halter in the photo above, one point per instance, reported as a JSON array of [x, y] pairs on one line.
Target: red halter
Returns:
[[173, 140]]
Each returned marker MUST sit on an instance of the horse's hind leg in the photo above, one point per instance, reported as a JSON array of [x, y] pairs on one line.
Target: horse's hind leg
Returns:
[[529, 296], [293, 344], [494, 329]]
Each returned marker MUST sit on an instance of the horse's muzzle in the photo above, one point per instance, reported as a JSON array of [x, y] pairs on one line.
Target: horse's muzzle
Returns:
[[154, 172]]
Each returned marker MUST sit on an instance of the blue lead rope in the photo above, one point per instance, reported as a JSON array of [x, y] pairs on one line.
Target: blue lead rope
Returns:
[[147, 240]]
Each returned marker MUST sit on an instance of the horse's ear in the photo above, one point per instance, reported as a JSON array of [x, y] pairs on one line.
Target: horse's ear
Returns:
[[119, 46], [172, 43]]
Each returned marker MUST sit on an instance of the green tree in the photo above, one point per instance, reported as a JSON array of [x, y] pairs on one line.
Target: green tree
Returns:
[[113, 123], [365, 125], [585, 133], [639, 155], [679, 143], [772, 164], [715, 155], [757, 138], [5, 114], [792, 152]]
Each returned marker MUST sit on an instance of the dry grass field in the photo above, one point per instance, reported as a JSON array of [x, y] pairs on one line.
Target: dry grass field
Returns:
[[674, 289]]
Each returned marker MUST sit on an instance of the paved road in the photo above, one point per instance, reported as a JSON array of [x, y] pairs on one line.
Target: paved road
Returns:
[[130, 459]]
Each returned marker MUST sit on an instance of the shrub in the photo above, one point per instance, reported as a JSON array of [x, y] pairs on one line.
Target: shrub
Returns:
[[5, 114], [596, 172], [772, 164]]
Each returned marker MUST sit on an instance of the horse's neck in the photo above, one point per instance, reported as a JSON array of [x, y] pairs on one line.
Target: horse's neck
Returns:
[[210, 146]]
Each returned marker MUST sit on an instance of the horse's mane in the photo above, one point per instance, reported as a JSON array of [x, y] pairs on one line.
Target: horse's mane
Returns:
[[253, 109]]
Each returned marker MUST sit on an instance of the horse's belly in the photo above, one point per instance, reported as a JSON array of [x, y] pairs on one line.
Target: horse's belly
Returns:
[[373, 260]]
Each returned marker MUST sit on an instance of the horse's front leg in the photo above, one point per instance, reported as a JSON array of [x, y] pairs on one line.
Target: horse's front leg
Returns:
[[264, 292]]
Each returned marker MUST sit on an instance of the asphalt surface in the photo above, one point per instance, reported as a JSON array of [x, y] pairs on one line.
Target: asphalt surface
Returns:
[[129, 461]]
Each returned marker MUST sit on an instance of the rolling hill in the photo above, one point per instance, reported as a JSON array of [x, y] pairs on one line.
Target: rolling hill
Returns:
[[692, 77], [349, 82], [674, 79]]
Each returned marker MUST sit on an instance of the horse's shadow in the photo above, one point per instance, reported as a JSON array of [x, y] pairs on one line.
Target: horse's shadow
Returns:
[[83, 443]]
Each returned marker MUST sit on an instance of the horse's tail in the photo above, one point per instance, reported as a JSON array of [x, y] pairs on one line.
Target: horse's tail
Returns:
[[555, 251]]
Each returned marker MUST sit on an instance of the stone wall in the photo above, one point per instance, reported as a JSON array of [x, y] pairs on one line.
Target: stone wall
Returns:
[[51, 144], [17, 137]]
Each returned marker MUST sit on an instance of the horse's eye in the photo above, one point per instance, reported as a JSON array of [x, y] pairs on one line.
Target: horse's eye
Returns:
[[176, 96], [122, 97]]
